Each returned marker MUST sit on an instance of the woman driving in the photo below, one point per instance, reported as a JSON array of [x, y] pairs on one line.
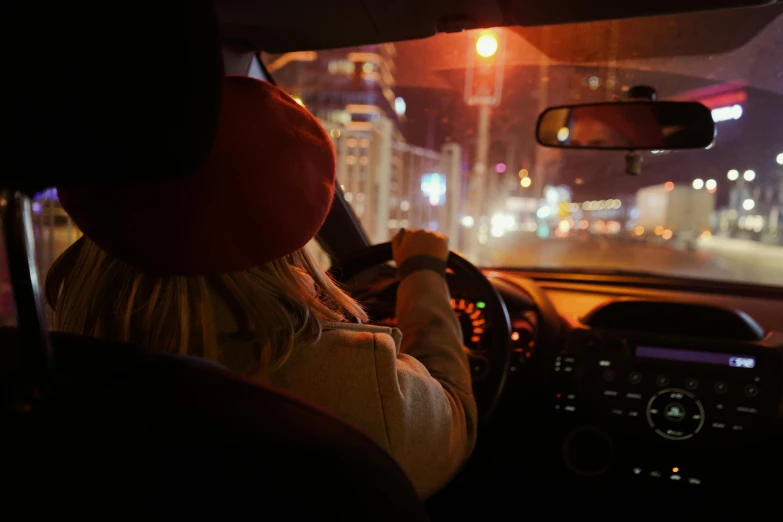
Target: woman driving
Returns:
[[215, 265]]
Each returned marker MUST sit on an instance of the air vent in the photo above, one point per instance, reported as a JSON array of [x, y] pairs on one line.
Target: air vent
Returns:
[[664, 317]]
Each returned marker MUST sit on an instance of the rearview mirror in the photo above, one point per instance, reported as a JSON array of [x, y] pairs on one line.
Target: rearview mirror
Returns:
[[627, 125]]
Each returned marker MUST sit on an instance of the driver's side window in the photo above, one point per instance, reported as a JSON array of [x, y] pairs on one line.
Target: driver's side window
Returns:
[[316, 250]]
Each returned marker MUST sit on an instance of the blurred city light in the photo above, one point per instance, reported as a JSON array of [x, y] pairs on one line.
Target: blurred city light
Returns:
[[400, 106], [733, 112], [433, 185], [710, 184], [468, 221], [500, 168], [668, 186], [523, 173], [525, 182], [733, 175], [779, 159], [698, 183], [544, 212], [748, 204], [749, 175]]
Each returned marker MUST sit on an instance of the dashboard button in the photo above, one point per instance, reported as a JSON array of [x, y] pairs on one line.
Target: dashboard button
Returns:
[[635, 377], [751, 390], [662, 380], [675, 414], [479, 366], [691, 383], [720, 387]]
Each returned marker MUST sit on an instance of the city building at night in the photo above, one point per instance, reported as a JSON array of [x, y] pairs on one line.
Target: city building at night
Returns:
[[351, 87]]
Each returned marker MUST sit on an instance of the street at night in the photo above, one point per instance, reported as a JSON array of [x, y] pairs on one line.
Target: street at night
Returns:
[[714, 258]]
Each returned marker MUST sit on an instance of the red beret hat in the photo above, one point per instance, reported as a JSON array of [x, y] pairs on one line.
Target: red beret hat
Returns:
[[263, 193]]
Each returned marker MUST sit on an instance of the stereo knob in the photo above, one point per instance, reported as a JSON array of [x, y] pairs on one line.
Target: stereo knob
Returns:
[[675, 414]]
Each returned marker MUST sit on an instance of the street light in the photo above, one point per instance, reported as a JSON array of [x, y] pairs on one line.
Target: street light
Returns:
[[710, 184], [698, 183], [733, 175], [779, 159], [525, 182], [749, 175], [748, 204], [487, 45]]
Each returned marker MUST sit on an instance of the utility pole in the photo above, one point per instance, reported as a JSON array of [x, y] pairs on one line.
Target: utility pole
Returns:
[[483, 88]]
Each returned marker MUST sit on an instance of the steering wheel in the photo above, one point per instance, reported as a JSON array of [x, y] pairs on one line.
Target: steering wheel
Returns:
[[490, 368]]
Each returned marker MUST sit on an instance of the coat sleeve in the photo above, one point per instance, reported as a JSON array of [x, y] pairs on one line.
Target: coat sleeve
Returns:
[[425, 387]]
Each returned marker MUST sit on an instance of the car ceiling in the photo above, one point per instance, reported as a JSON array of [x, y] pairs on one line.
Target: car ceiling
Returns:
[[707, 48], [277, 27]]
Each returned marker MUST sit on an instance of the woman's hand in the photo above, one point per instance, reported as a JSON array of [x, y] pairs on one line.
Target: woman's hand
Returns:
[[411, 243]]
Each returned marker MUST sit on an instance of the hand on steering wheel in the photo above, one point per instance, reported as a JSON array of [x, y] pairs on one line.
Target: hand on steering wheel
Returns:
[[411, 243]]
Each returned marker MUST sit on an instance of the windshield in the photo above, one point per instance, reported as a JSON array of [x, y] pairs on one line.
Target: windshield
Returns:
[[439, 133]]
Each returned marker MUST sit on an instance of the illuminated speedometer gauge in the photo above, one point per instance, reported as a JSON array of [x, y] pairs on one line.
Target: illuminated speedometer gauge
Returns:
[[471, 319]]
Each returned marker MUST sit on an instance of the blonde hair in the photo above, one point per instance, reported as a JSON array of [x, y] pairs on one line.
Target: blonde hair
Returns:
[[276, 306]]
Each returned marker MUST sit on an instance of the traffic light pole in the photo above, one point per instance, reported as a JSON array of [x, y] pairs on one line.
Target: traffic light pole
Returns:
[[477, 198], [483, 87]]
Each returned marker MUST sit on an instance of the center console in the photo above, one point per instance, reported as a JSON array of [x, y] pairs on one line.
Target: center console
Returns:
[[663, 407]]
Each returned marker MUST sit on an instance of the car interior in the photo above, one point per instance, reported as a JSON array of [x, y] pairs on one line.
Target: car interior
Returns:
[[628, 387]]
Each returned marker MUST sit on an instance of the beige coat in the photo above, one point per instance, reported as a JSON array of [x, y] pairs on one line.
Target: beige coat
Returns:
[[411, 394]]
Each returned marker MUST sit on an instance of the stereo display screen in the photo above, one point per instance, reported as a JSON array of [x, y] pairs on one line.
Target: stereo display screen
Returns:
[[673, 354]]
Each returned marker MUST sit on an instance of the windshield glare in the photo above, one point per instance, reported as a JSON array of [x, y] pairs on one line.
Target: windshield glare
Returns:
[[439, 133]]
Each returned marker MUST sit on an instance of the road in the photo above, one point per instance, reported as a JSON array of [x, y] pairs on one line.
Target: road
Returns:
[[714, 258]]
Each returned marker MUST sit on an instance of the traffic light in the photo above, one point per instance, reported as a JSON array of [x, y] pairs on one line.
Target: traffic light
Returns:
[[487, 45], [484, 71]]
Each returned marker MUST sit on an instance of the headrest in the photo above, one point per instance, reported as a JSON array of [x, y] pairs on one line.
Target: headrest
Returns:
[[263, 193], [107, 91]]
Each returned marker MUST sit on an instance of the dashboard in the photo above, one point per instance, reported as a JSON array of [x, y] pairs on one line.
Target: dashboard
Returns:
[[618, 379], [667, 387]]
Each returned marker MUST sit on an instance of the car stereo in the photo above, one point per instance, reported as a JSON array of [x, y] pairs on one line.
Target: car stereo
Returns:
[[674, 388]]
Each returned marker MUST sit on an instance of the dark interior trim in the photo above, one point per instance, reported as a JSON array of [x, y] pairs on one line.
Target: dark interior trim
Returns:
[[650, 281], [342, 233]]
